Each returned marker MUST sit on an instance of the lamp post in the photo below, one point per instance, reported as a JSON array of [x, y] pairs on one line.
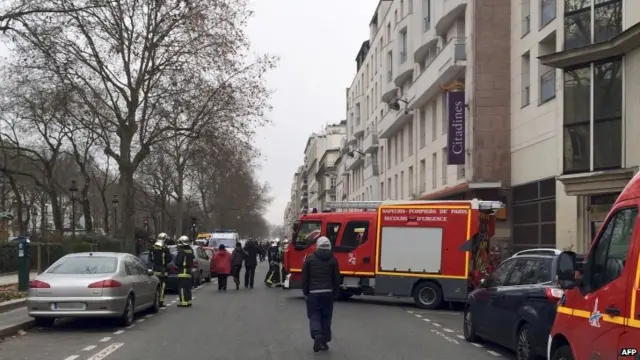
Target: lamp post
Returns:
[[115, 202], [193, 229], [72, 189]]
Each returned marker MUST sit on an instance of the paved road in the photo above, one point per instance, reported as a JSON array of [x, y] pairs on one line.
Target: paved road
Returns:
[[254, 324]]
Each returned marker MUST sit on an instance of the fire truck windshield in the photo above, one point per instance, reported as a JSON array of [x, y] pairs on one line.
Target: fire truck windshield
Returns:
[[307, 234]]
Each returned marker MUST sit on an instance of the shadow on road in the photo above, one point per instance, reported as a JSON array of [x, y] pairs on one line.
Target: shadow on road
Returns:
[[98, 325], [386, 301]]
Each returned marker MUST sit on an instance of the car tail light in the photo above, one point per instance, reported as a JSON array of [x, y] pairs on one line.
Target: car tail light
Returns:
[[554, 294], [37, 284], [105, 284]]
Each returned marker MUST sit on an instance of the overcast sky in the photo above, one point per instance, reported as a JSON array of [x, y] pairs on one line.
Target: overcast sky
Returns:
[[317, 43]]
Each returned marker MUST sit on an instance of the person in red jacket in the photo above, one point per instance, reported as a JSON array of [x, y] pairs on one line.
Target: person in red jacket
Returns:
[[222, 266]]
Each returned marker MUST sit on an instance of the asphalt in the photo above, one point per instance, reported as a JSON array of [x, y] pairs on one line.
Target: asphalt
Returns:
[[260, 323]]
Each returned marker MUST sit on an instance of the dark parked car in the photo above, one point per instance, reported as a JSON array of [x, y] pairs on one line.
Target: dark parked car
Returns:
[[516, 305], [200, 273]]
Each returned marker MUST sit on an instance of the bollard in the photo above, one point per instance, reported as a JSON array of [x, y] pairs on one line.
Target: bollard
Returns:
[[24, 252]]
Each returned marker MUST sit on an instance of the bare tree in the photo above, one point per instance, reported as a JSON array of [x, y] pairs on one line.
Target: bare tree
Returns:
[[159, 68], [104, 178]]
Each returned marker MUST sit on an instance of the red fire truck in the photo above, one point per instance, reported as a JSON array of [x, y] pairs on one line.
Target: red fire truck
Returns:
[[433, 251]]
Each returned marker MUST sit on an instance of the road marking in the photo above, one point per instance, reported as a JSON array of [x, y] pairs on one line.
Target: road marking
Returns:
[[169, 304], [140, 320], [460, 336], [493, 353], [418, 316], [193, 298], [410, 312], [130, 326], [89, 348], [106, 351], [436, 324], [121, 331], [427, 320], [72, 357], [148, 316], [105, 339], [448, 330], [163, 308], [476, 345]]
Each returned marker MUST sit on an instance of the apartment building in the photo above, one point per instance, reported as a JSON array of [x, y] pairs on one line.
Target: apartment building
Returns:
[[428, 110], [569, 140], [319, 174]]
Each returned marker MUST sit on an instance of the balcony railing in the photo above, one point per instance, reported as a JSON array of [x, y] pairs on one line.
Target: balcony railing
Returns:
[[547, 12], [548, 86]]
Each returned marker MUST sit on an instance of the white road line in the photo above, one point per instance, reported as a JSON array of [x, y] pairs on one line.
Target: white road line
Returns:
[[89, 348], [72, 357], [447, 330], [418, 316], [427, 320], [169, 304], [493, 353], [105, 339], [118, 332], [476, 345], [106, 351], [436, 324], [130, 326], [460, 336], [163, 308], [410, 312], [140, 320], [148, 316]]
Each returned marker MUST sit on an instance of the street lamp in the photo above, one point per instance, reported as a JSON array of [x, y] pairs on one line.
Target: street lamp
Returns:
[[72, 189], [193, 229], [115, 202]]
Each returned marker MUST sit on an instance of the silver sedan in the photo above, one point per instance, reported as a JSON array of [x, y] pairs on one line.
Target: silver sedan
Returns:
[[99, 284]]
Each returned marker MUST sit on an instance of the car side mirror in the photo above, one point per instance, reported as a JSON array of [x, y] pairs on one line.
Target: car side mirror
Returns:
[[566, 269], [150, 272]]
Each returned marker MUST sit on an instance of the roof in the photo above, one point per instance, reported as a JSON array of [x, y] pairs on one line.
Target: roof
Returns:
[[98, 253], [632, 190]]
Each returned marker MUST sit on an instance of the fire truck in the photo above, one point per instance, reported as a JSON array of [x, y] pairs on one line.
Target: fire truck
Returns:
[[433, 251]]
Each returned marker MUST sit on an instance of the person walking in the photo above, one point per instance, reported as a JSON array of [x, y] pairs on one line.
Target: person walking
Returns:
[[250, 262], [222, 266], [160, 257], [237, 258], [273, 275], [184, 262], [320, 285]]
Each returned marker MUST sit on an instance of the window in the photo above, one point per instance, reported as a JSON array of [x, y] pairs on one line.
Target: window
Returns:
[[410, 138], [607, 260], [526, 17], [525, 61], [444, 166], [333, 230], [401, 144], [355, 234], [411, 189], [434, 170], [548, 85], [381, 157], [434, 124], [395, 189], [499, 276], [603, 117], [534, 215], [382, 193], [517, 273], [423, 175], [423, 127], [85, 265], [307, 234], [445, 112], [580, 30], [403, 46], [401, 196], [426, 15], [389, 32], [389, 154], [547, 12], [389, 185]]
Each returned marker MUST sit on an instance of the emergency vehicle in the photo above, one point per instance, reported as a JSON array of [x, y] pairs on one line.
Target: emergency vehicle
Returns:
[[598, 316], [433, 251]]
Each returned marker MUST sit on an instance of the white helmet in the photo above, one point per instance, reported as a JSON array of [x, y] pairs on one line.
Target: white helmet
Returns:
[[274, 242], [183, 240], [162, 236]]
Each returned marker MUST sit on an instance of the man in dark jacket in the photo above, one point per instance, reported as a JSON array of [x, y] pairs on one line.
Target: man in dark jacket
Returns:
[[320, 285], [250, 262], [237, 258]]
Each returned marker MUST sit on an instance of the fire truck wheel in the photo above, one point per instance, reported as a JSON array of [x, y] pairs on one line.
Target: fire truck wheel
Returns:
[[427, 295], [562, 353]]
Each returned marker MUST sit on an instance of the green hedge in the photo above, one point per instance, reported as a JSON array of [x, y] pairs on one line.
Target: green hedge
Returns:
[[50, 252]]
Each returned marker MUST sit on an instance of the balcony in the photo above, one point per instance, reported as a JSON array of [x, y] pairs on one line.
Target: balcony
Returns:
[[389, 90], [393, 121], [356, 161], [370, 142], [404, 71], [428, 41], [446, 67], [371, 169], [451, 10], [358, 130]]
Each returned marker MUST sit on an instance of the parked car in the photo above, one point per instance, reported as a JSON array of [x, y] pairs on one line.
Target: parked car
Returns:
[[99, 284], [200, 273], [211, 252], [516, 305]]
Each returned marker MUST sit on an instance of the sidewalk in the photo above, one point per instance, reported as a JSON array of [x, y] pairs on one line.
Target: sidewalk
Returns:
[[9, 279], [13, 321]]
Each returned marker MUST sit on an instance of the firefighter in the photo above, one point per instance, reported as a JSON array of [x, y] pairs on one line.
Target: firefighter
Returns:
[[160, 257], [273, 275], [184, 262]]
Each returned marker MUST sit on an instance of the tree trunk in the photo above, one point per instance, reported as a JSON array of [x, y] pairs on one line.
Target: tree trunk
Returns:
[[105, 205], [126, 207], [86, 204], [56, 212], [19, 206]]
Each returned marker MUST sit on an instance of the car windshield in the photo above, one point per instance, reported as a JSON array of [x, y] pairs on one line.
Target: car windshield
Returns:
[[85, 265], [307, 234]]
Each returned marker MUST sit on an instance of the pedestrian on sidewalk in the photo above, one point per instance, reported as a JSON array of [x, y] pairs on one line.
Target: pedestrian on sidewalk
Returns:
[[222, 266], [320, 285], [250, 262], [237, 258]]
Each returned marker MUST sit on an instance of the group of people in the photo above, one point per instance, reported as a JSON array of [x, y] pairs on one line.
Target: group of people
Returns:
[[321, 277]]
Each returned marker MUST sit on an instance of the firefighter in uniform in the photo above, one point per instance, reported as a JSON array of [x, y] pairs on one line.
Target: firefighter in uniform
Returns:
[[160, 257], [184, 262]]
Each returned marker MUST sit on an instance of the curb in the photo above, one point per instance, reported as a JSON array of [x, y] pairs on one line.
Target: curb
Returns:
[[9, 330], [12, 305]]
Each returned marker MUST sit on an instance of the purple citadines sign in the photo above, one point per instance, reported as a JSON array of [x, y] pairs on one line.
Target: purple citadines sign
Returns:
[[456, 142]]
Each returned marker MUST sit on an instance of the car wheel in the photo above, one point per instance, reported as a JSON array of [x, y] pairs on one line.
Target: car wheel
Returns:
[[126, 318], [44, 321], [524, 347], [428, 295], [469, 327], [156, 302], [562, 353]]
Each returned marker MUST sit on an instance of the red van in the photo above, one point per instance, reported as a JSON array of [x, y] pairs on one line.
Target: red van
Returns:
[[598, 316]]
